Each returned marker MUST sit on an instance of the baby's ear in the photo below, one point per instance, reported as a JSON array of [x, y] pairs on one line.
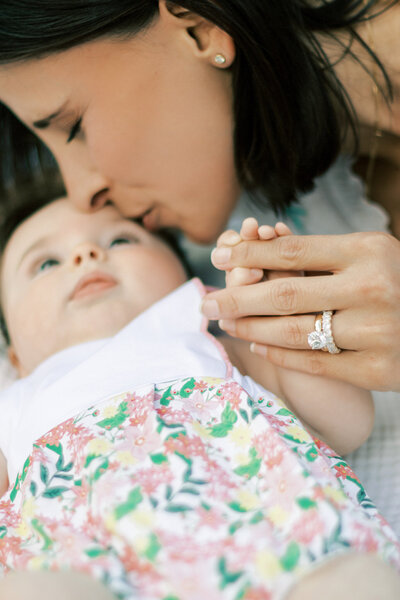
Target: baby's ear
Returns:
[[14, 360]]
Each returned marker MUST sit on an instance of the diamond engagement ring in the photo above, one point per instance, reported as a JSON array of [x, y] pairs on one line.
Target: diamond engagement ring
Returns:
[[322, 338]]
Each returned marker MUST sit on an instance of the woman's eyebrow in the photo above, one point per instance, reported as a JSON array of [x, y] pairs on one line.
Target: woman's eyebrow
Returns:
[[46, 121]]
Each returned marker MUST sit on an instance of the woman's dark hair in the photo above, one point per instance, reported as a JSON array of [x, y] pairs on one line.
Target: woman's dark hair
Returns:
[[289, 107]]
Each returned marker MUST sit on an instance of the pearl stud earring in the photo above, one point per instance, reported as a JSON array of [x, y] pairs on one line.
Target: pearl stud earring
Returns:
[[219, 59]]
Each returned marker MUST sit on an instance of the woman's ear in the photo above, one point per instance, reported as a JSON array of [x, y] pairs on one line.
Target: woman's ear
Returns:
[[204, 38], [14, 360]]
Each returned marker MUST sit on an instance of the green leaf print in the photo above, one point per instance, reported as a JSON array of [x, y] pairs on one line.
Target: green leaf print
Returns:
[[312, 453], [33, 488], [25, 468], [3, 531], [117, 419], [89, 459], [40, 530], [227, 577], [244, 415], [187, 388], [285, 412], [44, 474], [306, 503], [236, 506], [15, 489], [54, 492], [134, 498], [252, 468], [228, 419], [153, 548], [176, 508], [101, 469], [291, 557], [166, 397], [95, 552], [157, 459]]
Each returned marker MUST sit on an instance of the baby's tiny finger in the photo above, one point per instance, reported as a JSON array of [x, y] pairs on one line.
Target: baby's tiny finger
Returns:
[[282, 229], [266, 232], [229, 238], [249, 229], [243, 276]]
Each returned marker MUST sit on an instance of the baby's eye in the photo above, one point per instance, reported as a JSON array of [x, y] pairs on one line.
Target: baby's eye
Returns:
[[120, 240], [48, 264]]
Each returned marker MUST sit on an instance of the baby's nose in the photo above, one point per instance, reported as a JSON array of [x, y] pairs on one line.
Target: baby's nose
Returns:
[[87, 252]]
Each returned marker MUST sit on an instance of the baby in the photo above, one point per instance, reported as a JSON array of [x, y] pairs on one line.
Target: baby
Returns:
[[137, 450]]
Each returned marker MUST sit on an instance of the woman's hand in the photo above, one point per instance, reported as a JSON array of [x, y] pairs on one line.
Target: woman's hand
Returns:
[[363, 288]]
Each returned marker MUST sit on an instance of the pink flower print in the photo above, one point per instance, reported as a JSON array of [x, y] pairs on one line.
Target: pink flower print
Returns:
[[200, 408], [81, 493], [257, 593], [212, 518], [220, 483], [173, 415], [285, 484], [231, 392], [8, 515], [142, 440], [270, 447], [188, 446], [194, 581], [139, 407], [344, 471], [364, 539], [152, 478], [307, 527], [55, 435], [200, 385]]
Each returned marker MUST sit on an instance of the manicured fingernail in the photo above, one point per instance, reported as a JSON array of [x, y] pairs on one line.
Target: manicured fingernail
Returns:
[[221, 256], [210, 309], [259, 349], [227, 325]]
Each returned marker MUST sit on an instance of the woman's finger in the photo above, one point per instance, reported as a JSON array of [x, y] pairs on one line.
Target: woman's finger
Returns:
[[292, 332], [294, 253], [294, 295]]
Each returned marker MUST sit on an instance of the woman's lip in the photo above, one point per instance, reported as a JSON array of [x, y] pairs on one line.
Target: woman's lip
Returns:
[[92, 284]]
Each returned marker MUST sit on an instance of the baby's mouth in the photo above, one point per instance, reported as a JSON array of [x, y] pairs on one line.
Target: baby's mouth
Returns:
[[92, 284]]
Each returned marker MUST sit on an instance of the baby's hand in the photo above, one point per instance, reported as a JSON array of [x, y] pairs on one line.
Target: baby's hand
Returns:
[[251, 231]]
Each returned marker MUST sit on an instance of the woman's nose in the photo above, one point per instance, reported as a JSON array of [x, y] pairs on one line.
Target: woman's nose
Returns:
[[87, 252], [87, 189]]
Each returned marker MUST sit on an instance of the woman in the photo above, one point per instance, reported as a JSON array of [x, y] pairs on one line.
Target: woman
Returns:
[[168, 109]]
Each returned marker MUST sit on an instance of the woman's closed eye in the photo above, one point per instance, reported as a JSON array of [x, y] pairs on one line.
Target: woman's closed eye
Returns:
[[75, 129]]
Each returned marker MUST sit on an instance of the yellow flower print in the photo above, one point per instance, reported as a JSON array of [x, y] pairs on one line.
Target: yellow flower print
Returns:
[[298, 433], [267, 565], [241, 435], [241, 459], [278, 515], [99, 446], [37, 563], [125, 458], [334, 494], [200, 430], [248, 500], [109, 411], [28, 508], [144, 517], [22, 529]]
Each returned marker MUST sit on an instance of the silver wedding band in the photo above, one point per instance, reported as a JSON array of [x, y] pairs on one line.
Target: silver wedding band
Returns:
[[322, 337]]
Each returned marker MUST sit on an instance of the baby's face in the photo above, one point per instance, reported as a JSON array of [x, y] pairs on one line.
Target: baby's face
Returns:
[[69, 277]]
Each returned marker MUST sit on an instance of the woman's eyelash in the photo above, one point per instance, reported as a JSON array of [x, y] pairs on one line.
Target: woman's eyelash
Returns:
[[75, 129]]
